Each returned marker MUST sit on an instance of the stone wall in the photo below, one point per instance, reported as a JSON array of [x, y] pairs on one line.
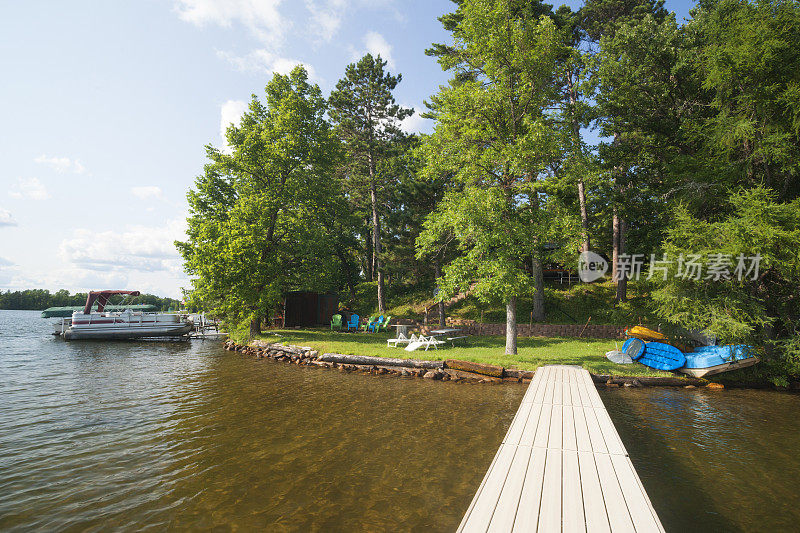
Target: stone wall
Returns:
[[597, 331]]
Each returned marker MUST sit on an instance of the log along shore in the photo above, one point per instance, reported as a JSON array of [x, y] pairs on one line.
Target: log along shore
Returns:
[[447, 370]]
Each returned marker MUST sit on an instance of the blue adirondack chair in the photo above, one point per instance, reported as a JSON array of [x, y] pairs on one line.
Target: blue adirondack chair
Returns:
[[375, 326], [353, 324]]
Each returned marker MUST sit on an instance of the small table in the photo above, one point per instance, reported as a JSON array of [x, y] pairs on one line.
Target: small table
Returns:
[[448, 331], [444, 331], [402, 330]]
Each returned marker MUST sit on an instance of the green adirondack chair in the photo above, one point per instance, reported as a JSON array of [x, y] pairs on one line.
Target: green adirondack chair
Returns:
[[370, 320], [385, 325], [336, 322], [376, 325]]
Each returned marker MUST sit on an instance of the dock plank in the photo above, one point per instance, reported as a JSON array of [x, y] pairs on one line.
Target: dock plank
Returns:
[[550, 512], [486, 500], [527, 518], [518, 423], [561, 466], [572, 519], [593, 504], [506, 511]]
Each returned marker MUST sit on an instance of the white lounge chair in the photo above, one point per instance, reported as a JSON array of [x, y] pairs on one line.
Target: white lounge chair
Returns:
[[427, 342], [401, 339]]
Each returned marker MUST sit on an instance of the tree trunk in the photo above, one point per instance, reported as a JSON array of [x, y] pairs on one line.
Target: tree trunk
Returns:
[[538, 284], [576, 140], [442, 318], [376, 234], [614, 243], [511, 326], [255, 326], [349, 272], [584, 214], [622, 282], [617, 237], [377, 361], [368, 255]]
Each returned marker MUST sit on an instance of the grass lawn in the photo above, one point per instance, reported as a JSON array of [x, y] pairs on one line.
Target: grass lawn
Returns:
[[533, 352]]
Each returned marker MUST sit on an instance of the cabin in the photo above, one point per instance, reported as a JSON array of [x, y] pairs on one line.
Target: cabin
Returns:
[[303, 308]]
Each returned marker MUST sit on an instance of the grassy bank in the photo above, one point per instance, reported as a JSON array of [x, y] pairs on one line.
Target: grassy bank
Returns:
[[564, 304], [533, 352]]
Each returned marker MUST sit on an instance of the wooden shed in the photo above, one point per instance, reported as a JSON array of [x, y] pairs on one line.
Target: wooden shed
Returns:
[[309, 308]]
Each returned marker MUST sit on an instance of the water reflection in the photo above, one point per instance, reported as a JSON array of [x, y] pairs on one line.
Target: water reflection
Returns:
[[714, 461], [187, 436]]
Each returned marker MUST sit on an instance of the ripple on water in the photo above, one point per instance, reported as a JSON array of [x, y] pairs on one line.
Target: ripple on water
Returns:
[[187, 436]]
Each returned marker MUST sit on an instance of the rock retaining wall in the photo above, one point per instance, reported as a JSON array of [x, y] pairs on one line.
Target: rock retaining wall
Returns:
[[435, 370]]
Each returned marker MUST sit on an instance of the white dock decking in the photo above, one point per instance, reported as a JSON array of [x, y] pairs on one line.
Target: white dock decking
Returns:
[[561, 466]]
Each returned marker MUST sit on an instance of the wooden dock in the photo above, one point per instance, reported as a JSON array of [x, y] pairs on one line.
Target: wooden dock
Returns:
[[561, 466]]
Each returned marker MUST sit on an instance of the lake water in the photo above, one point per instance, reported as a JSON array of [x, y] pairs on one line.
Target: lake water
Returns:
[[152, 435]]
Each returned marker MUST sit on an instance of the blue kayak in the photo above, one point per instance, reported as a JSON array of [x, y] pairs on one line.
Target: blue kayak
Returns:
[[633, 348], [709, 360], [662, 356]]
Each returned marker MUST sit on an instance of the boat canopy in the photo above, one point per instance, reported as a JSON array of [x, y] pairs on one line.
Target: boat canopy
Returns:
[[101, 297], [67, 311]]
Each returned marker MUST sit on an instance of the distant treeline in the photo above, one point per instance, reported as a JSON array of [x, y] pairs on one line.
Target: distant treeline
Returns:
[[40, 299]]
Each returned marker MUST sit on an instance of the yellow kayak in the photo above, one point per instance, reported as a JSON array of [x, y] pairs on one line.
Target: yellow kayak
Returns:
[[646, 334], [649, 335]]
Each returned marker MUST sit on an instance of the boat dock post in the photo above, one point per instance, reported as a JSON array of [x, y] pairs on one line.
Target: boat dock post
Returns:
[[561, 466]]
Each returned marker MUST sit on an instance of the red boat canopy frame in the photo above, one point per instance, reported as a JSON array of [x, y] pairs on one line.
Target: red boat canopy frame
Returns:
[[101, 297]]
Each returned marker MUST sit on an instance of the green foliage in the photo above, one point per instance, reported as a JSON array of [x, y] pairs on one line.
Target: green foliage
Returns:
[[762, 308], [750, 63], [262, 218], [364, 111], [495, 139]]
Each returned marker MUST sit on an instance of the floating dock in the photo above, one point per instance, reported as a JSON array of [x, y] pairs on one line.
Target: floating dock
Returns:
[[561, 466]]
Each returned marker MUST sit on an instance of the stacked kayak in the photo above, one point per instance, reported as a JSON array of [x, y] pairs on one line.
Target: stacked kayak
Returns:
[[646, 347], [662, 356], [710, 360]]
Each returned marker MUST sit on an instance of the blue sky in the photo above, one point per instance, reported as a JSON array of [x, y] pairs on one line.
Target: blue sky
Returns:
[[106, 108]]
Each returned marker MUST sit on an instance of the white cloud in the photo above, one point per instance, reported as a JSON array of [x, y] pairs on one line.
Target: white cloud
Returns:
[[262, 60], [77, 280], [61, 164], [326, 17], [5, 262], [416, 124], [6, 219], [260, 17], [377, 45], [30, 188], [150, 191], [230, 113], [138, 248]]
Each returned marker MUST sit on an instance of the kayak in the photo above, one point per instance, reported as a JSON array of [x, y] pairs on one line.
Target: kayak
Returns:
[[619, 357], [710, 360], [662, 356], [646, 334], [633, 348], [649, 335]]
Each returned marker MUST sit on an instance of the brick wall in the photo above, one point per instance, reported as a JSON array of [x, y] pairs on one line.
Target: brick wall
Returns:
[[598, 331]]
